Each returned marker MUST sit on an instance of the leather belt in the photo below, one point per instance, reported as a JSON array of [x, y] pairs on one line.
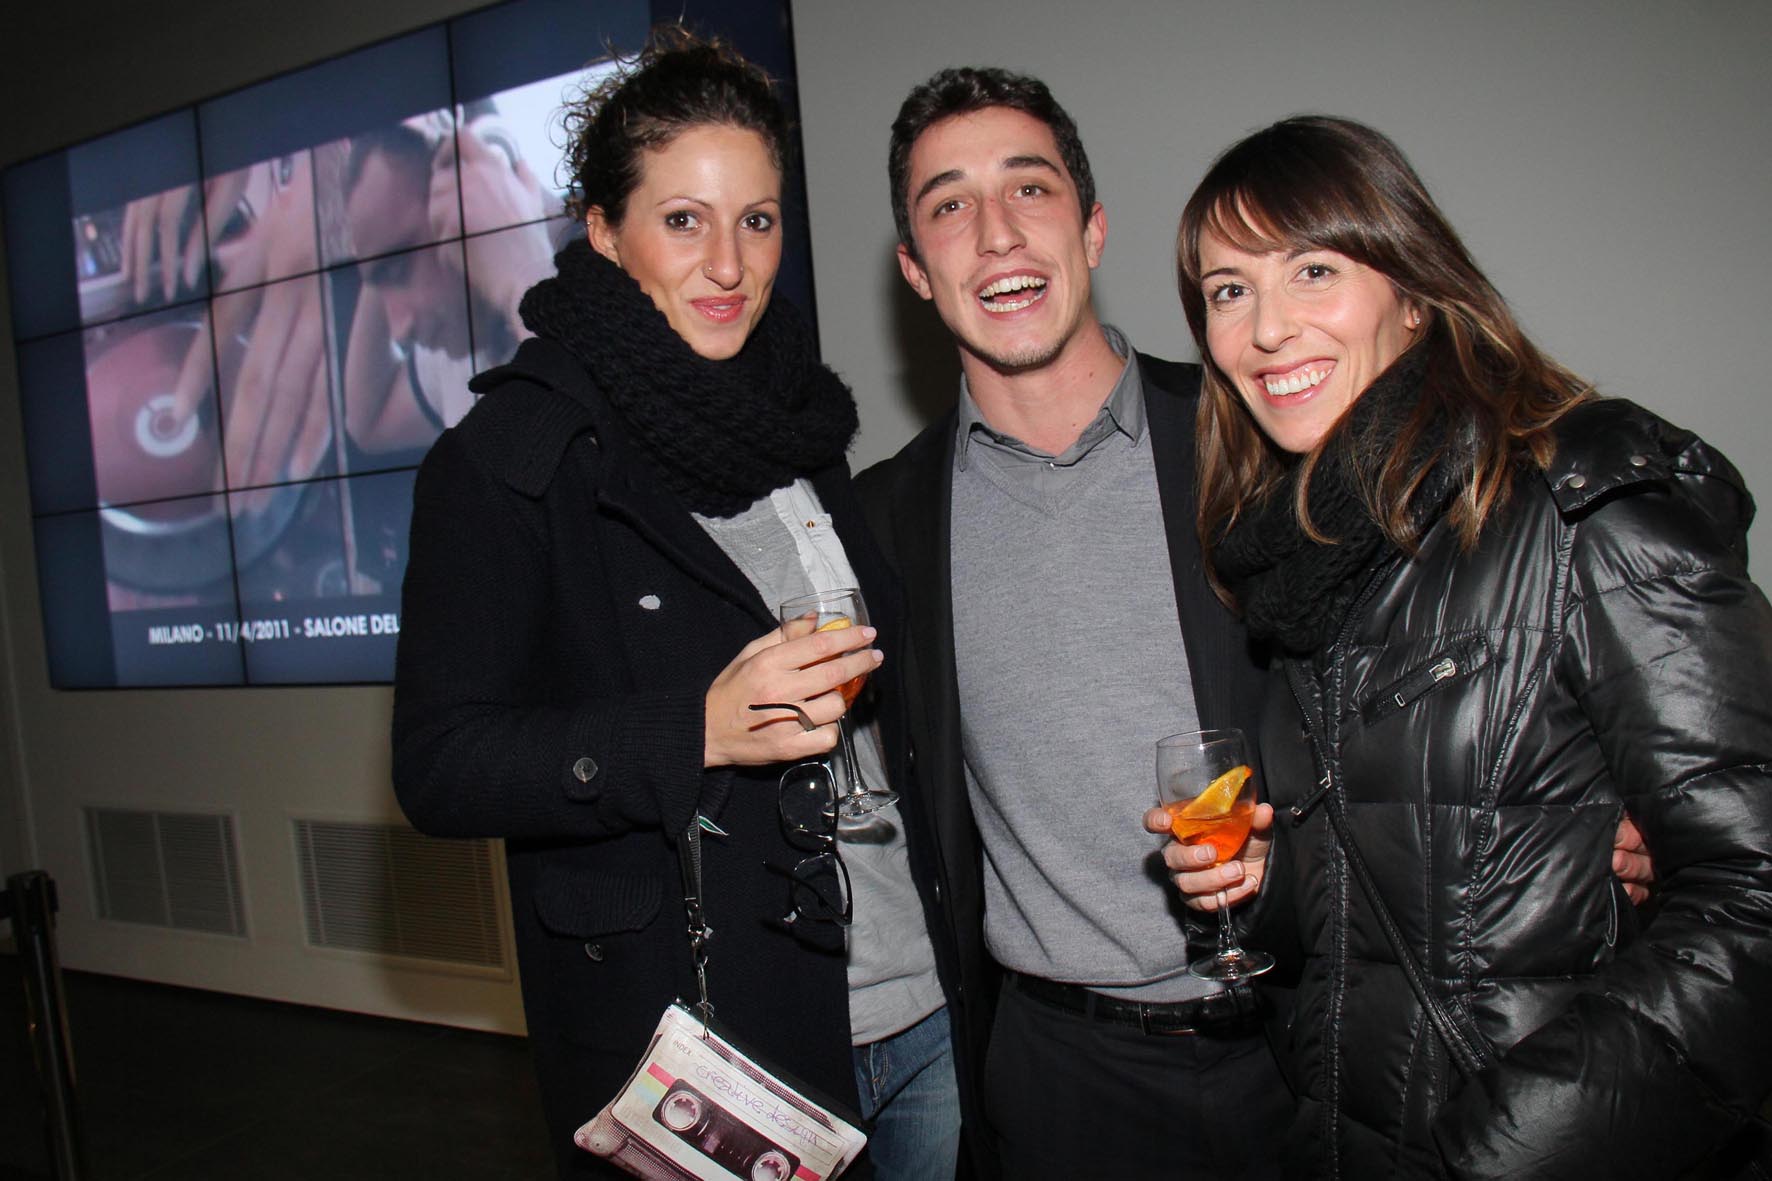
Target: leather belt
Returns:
[[1232, 1010]]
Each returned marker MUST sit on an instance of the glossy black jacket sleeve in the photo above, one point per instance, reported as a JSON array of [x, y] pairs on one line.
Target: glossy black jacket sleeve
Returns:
[[1666, 648]]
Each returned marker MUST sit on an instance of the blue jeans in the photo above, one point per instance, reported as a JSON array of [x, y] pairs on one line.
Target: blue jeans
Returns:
[[908, 1089]]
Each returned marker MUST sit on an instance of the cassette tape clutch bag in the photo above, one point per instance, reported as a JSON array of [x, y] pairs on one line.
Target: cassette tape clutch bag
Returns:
[[698, 1107]]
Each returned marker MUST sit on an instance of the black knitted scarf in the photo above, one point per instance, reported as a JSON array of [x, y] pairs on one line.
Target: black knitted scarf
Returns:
[[1294, 590], [725, 433]]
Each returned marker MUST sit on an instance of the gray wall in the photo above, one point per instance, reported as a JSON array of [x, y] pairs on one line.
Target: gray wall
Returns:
[[1605, 161]]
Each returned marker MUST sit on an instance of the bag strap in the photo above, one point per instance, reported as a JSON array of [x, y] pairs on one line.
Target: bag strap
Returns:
[[1468, 1049], [689, 862]]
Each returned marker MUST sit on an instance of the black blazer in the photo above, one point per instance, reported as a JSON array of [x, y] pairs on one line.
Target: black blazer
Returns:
[[563, 618], [909, 502]]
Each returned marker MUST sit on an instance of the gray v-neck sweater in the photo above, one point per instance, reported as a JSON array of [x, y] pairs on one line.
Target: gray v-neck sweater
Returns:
[[1071, 666]]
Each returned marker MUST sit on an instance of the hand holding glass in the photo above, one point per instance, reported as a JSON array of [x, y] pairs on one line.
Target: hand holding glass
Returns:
[[1203, 782], [831, 610]]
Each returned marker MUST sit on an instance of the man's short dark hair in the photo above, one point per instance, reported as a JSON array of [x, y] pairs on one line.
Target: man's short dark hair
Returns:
[[961, 91], [405, 147]]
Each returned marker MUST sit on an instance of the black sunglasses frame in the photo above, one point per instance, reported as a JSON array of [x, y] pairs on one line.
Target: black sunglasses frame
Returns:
[[818, 887]]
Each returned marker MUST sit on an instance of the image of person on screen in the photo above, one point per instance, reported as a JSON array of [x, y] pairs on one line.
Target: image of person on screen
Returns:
[[264, 324], [590, 663], [411, 348]]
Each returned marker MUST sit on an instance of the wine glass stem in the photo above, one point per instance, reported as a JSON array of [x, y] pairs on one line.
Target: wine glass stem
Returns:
[[851, 773], [1227, 941]]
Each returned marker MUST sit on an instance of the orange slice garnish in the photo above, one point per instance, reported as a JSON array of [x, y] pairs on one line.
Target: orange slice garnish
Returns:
[[1219, 795]]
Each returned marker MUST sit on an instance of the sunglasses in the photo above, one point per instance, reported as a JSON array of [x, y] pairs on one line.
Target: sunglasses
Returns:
[[818, 885]]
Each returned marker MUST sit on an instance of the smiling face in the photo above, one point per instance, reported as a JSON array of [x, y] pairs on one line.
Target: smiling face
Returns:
[[702, 235], [1300, 334], [1002, 244]]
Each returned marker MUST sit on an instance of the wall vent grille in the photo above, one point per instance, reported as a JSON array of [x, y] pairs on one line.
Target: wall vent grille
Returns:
[[166, 869], [387, 889]]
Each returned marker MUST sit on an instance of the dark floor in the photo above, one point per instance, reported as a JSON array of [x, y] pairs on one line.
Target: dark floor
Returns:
[[177, 1083]]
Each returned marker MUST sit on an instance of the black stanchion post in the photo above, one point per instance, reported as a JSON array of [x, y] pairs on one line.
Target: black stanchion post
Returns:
[[30, 902]]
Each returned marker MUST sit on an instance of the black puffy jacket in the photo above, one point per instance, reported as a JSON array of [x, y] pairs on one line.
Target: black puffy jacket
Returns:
[[1601, 650]]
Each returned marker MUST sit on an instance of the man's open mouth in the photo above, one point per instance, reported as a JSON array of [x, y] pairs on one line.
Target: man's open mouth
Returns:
[[1012, 293]]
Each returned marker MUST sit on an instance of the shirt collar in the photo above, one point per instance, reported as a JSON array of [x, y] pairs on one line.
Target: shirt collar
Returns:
[[1123, 411]]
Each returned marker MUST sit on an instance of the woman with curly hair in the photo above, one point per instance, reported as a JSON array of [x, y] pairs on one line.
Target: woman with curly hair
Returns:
[[589, 663]]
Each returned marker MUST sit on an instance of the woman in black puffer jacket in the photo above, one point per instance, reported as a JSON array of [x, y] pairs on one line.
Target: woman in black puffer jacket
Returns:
[[1508, 612]]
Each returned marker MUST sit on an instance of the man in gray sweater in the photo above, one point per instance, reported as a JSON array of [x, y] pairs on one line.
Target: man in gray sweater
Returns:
[[1060, 625]]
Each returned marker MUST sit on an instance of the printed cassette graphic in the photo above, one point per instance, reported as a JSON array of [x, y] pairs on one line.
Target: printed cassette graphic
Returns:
[[697, 1107]]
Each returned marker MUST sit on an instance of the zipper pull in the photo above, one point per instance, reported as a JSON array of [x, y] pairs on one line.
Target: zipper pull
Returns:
[[1444, 669], [1303, 808]]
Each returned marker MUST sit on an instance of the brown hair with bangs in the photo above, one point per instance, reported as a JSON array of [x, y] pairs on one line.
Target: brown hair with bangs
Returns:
[[1316, 182]]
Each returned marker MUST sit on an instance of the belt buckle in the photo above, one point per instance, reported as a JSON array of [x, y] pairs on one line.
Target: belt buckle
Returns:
[[1238, 1003], [1147, 1011]]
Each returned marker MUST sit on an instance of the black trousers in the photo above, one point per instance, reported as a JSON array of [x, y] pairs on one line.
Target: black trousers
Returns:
[[1069, 1096]]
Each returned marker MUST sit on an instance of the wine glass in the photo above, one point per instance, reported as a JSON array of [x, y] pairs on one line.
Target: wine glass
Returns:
[[1203, 782], [830, 610]]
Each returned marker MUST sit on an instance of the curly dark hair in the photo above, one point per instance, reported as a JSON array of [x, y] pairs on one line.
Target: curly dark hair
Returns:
[[679, 81], [961, 90]]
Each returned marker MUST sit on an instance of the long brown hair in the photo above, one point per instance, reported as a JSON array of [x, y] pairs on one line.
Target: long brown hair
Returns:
[[1316, 182]]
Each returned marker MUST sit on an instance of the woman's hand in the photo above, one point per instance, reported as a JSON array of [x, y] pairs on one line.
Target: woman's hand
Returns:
[[1631, 863], [793, 665], [1199, 880]]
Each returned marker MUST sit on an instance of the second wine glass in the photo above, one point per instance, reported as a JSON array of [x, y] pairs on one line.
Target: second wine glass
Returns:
[[1203, 782], [830, 610]]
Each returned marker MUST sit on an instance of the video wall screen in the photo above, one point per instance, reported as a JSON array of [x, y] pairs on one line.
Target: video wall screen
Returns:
[[240, 325]]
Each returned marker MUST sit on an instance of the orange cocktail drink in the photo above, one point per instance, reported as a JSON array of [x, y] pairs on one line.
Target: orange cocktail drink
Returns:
[[850, 689], [1219, 816], [1225, 832], [835, 610]]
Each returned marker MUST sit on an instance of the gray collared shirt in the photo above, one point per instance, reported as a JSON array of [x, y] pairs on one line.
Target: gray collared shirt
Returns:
[[1069, 654], [785, 545], [1122, 413]]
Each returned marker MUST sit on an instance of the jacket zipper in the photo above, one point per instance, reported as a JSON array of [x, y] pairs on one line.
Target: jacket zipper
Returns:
[[1412, 687], [1300, 812], [1462, 659], [1321, 748]]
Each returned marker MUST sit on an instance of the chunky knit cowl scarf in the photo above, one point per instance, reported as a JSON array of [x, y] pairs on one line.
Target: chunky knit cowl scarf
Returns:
[[1296, 591], [725, 433]]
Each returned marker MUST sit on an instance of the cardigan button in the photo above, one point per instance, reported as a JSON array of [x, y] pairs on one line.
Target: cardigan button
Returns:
[[584, 769], [594, 952]]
